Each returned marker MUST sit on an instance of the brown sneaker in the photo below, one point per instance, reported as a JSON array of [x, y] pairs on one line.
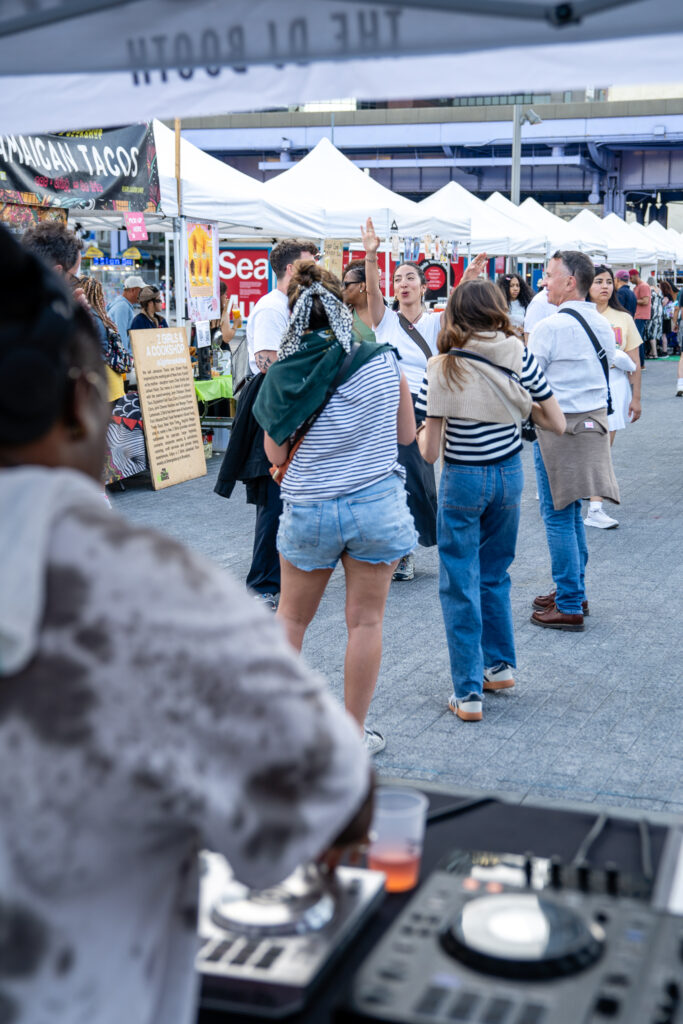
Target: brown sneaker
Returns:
[[552, 618], [548, 600]]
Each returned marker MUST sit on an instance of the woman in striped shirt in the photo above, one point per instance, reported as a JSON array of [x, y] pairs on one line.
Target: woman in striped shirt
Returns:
[[482, 479], [343, 492]]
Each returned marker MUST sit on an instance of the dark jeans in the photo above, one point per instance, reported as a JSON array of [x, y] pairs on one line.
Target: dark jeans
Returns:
[[264, 574], [641, 325], [421, 491]]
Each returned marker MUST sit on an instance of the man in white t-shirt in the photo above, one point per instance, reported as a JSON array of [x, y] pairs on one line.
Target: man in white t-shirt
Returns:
[[538, 309], [265, 328]]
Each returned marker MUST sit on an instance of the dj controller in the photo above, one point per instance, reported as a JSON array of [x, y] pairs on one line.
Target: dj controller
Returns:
[[488, 938], [502, 939]]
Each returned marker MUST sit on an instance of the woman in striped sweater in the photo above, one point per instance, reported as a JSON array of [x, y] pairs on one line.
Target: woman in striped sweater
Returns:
[[483, 384], [343, 492]]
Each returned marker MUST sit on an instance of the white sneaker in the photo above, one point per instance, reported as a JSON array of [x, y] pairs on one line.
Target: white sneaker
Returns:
[[598, 518], [498, 677], [469, 708], [374, 741], [405, 570]]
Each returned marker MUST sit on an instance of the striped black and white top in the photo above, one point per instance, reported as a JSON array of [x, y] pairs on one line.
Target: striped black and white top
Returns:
[[353, 443], [470, 443]]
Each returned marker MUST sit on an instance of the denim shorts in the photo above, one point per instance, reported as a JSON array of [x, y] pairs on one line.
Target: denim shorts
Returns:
[[371, 525]]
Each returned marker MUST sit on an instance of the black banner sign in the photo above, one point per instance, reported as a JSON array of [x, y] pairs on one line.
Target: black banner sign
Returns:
[[86, 170]]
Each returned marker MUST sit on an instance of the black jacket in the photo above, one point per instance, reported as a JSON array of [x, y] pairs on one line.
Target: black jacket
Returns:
[[245, 458]]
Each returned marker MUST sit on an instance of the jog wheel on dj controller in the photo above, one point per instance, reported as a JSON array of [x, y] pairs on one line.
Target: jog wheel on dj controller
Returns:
[[524, 936]]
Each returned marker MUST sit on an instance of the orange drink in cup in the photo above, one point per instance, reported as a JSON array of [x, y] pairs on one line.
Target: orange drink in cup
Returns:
[[397, 835]]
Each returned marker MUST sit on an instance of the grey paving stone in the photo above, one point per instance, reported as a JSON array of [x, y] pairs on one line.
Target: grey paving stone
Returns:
[[595, 716]]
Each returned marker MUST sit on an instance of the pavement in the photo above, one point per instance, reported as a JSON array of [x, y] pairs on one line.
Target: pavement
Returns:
[[596, 717]]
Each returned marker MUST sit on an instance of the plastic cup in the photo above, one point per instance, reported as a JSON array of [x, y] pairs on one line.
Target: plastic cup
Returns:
[[397, 835]]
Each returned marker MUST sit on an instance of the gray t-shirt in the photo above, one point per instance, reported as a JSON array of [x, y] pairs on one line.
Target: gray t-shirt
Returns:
[[161, 712]]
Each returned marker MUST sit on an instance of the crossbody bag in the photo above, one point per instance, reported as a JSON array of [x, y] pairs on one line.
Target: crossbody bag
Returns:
[[526, 427], [599, 351], [415, 336], [278, 472]]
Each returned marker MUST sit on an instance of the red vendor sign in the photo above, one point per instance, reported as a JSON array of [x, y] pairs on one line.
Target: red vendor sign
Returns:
[[247, 274]]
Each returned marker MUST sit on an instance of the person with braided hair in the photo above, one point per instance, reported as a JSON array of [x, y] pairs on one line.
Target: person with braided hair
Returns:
[[139, 719], [117, 360], [343, 490]]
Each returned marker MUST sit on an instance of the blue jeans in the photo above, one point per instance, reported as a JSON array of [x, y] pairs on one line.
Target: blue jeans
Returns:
[[566, 542], [477, 525]]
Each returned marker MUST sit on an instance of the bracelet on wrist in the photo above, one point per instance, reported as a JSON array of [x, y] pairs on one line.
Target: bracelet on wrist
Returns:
[[369, 259]]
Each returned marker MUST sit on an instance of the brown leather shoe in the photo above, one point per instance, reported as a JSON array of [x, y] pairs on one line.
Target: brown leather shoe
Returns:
[[552, 618], [548, 600]]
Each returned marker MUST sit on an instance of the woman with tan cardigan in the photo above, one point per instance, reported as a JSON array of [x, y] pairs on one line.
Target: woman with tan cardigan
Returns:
[[476, 393]]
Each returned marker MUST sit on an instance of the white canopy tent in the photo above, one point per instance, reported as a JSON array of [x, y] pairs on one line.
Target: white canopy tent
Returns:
[[214, 191], [667, 235], [559, 232], [644, 250], [491, 231], [593, 230], [664, 249], [327, 178]]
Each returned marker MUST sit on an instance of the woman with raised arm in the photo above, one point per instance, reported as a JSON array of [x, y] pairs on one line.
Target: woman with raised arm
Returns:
[[341, 483], [483, 384], [413, 332]]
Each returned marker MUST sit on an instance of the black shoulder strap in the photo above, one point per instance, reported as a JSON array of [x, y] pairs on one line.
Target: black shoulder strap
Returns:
[[482, 359], [339, 377], [414, 335], [599, 351]]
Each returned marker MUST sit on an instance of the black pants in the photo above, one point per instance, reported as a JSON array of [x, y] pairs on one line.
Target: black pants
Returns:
[[421, 488], [264, 574]]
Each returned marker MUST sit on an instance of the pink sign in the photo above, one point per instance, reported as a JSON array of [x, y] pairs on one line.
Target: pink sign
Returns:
[[135, 226]]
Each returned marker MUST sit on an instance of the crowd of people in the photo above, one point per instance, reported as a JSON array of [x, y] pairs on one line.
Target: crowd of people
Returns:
[[184, 710]]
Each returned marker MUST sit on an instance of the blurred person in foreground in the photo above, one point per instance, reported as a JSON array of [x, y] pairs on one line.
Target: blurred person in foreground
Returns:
[[343, 487], [137, 723]]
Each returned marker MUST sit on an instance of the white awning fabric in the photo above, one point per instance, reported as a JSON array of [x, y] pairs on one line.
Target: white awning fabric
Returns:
[[642, 249], [328, 179], [167, 59], [491, 231]]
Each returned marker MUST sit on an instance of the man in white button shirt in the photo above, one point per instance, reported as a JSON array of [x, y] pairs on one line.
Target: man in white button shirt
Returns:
[[565, 353]]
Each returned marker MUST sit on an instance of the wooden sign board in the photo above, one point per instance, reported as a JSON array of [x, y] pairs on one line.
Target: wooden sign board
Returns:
[[169, 406], [334, 256]]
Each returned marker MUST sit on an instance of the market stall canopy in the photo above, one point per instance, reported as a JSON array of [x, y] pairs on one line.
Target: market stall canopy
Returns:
[[559, 233], [491, 232], [664, 235], [665, 250], [589, 227], [214, 191], [644, 249], [326, 178], [211, 191], [167, 59]]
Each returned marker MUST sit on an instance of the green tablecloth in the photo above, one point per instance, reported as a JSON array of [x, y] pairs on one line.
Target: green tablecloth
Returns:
[[212, 390]]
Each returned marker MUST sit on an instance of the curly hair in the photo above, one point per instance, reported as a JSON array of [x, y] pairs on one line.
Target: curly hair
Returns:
[[525, 293]]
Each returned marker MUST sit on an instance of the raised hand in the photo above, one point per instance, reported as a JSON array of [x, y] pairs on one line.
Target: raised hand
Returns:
[[371, 241], [476, 267]]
